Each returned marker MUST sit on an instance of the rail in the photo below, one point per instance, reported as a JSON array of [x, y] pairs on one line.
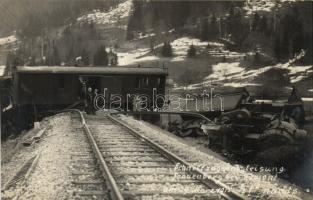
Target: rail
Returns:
[[163, 112], [115, 192], [230, 194]]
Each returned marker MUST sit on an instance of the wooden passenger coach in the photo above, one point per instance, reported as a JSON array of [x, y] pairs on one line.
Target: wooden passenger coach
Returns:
[[60, 86]]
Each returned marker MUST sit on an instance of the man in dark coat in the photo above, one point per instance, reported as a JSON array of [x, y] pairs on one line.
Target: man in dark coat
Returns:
[[90, 108]]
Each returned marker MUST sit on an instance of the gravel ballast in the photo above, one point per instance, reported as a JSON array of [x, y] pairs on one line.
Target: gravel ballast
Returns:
[[51, 178]]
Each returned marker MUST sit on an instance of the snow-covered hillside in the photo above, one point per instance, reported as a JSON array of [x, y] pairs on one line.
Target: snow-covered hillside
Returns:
[[135, 56], [111, 17], [264, 5], [226, 66], [141, 53], [234, 74]]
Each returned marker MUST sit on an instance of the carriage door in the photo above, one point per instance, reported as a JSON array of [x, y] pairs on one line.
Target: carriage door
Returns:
[[113, 85], [94, 82]]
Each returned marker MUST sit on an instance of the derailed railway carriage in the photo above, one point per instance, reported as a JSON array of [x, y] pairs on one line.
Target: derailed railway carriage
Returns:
[[41, 88], [62, 86]]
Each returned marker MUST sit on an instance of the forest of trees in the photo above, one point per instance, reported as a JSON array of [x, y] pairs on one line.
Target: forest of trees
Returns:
[[100, 58], [284, 32], [279, 34], [36, 22], [30, 17]]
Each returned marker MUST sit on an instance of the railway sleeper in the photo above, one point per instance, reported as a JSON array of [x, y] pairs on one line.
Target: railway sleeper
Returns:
[[91, 193], [142, 173], [114, 145], [109, 154], [89, 186], [88, 182], [157, 182], [142, 166], [163, 195], [129, 151]]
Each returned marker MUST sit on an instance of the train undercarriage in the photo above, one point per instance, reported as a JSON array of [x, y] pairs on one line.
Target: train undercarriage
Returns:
[[265, 133]]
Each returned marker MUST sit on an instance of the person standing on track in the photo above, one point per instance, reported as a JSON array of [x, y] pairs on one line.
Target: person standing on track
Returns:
[[83, 94], [90, 108]]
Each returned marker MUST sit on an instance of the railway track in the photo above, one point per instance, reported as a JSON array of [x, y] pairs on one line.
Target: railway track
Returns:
[[87, 181], [135, 167]]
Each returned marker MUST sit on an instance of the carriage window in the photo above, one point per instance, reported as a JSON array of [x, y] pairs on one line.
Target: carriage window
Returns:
[[138, 81], [147, 81], [160, 83], [61, 82]]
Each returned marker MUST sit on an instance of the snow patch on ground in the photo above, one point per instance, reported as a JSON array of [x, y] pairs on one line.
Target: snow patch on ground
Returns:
[[7, 40], [252, 6], [232, 74], [134, 56], [298, 73], [221, 70], [111, 17], [180, 46], [2, 70]]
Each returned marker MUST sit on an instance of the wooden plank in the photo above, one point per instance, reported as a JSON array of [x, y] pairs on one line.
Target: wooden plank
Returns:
[[39, 134], [87, 182], [91, 193]]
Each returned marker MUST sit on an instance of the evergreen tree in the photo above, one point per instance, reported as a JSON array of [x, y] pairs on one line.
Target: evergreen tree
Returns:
[[129, 32], [255, 22], [238, 30], [101, 57], [213, 29], [138, 15], [192, 51], [55, 57], [256, 57], [70, 56], [135, 22], [115, 59], [277, 49], [308, 58], [263, 24], [9, 59], [85, 57], [167, 50], [31, 61], [204, 29]]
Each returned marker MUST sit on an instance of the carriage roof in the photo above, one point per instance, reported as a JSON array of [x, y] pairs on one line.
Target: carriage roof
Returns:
[[92, 70]]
